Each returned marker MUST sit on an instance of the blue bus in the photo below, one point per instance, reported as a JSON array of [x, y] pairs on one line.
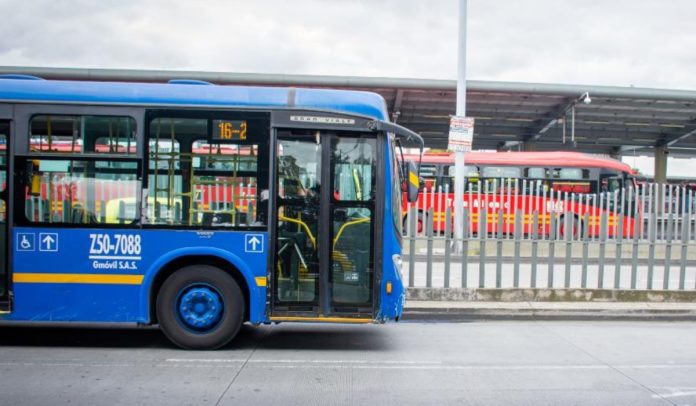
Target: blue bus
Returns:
[[198, 207]]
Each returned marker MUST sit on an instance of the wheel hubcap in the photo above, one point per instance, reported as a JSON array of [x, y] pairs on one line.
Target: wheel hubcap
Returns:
[[200, 308]]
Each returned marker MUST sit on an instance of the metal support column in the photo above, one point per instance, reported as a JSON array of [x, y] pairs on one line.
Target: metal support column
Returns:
[[461, 111]]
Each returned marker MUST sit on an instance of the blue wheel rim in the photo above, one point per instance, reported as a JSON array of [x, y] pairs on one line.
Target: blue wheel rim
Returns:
[[199, 308]]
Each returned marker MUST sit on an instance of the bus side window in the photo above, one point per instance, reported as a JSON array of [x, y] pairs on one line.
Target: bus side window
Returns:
[[79, 191], [197, 177], [472, 185], [471, 182], [610, 183], [570, 180], [69, 188], [66, 134]]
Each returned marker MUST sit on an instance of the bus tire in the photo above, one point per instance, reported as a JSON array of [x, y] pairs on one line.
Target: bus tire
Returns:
[[200, 307]]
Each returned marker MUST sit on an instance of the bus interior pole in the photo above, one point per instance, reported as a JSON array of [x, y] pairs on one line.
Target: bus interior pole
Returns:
[[461, 112]]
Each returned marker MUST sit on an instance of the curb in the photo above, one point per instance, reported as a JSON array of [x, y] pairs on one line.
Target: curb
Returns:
[[575, 295], [462, 314]]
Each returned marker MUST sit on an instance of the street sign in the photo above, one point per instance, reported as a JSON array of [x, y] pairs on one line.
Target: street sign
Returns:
[[461, 134]]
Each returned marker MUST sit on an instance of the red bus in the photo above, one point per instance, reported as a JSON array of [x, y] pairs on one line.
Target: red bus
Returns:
[[572, 187]]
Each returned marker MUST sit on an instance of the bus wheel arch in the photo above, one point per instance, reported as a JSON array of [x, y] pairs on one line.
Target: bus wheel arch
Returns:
[[188, 260], [576, 225]]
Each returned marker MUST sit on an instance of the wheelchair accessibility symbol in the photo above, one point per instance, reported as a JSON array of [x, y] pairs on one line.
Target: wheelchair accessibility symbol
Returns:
[[26, 242]]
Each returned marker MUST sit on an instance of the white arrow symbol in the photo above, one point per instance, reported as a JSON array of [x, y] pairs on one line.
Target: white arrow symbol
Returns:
[[48, 240], [254, 242]]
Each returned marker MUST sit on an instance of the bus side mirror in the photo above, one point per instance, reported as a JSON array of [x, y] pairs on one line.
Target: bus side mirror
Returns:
[[412, 182]]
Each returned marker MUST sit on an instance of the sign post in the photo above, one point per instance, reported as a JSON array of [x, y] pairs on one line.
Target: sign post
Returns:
[[463, 132]]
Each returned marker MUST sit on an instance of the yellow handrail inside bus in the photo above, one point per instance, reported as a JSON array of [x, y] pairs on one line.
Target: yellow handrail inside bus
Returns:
[[303, 225], [344, 226], [358, 189]]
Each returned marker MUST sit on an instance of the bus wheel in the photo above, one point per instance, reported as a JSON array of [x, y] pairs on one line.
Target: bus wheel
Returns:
[[200, 307], [575, 227]]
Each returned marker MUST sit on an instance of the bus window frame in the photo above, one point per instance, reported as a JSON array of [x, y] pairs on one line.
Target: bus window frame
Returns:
[[137, 152], [397, 169], [5, 120], [210, 114], [23, 114], [20, 177]]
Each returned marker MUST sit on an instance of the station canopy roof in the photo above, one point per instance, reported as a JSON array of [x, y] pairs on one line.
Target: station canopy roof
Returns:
[[508, 115]]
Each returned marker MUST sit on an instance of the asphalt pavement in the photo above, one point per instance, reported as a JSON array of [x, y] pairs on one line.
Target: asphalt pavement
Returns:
[[406, 363]]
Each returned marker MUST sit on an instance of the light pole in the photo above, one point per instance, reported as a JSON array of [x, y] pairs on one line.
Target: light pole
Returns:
[[461, 112]]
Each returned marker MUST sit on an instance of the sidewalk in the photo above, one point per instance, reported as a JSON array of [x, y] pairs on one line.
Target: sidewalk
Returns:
[[469, 311]]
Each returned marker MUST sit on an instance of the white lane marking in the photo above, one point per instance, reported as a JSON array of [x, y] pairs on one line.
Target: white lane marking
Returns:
[[486, 367], [302, 361], [675, 392], [356, 364], [430, 365]]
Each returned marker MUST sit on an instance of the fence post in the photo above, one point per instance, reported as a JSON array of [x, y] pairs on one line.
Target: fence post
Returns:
[[568, 246], [638, 226], [465, 248], [429, 234], [618, 245], [651, 247], [482, 236], [552, 248], [602, 248], [517, 233], [535, 243], [412, 231], [499, 250], [585, 248], [668, 253], [686, 227], [448, 241]]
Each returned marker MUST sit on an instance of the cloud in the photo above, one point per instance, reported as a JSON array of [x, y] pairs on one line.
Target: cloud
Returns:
[[621, 42], [643, 43]]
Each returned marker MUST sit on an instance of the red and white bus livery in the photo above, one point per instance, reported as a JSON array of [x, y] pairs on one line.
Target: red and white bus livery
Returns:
[[565, 190]]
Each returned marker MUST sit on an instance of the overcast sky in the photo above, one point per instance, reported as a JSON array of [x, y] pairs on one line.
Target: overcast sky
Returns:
[[611, 42]]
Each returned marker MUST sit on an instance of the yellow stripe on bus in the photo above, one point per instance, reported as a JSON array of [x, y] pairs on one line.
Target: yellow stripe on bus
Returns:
[[77, 278]]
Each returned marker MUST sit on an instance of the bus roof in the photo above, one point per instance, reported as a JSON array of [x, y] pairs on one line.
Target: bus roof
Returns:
[[192, 94], [545, 159]]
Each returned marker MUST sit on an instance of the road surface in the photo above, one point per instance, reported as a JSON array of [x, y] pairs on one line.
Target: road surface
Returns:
[[522, 363]]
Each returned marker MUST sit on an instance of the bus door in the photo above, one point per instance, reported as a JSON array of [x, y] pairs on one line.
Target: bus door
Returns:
[[4, 229], [324, 258]]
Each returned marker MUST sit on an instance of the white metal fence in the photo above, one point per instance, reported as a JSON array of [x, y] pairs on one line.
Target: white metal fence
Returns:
[[520, 234]]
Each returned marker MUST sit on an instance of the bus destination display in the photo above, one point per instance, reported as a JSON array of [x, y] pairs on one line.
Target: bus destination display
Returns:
[[229, 130]]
